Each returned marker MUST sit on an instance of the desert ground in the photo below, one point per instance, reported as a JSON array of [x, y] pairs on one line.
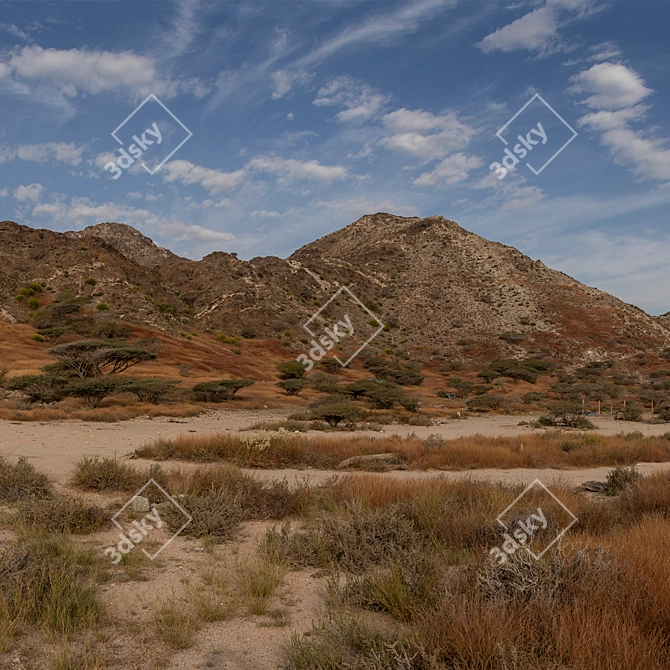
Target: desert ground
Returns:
[[240, 637]]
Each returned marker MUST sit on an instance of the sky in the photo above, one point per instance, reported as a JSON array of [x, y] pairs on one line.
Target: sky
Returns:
[[258, 127]]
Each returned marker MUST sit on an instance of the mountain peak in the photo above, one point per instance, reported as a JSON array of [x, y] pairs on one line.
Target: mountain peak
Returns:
[[128, 241]]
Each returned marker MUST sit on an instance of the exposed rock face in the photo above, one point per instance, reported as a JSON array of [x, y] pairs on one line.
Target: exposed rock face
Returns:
[[130, 242], [445, 291]]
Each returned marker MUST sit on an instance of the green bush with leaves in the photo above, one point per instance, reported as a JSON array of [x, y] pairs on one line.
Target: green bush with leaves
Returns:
[[333, 410], [565, 413], [92, 358], [94, 389], [219, 391], [151, 390], [291, 370], [292, 386], [39, 388]]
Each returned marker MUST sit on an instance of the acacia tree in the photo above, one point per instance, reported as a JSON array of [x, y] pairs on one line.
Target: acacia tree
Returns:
[[93, 358], [93, 390]]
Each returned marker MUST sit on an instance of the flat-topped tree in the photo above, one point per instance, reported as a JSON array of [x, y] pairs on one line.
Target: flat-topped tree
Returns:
[[93, 358]]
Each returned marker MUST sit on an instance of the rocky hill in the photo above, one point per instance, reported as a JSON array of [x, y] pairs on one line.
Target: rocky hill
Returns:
[[443, 291]]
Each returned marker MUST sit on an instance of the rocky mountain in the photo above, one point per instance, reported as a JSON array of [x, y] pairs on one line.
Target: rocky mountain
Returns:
[[443, 291]]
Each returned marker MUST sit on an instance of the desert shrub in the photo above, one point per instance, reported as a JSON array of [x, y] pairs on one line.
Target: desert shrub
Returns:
[[663, 412], [619, 479], [62, 514], [485, 403], [47, 581], [404, 377], [151, 390], [39, 388], [104, 474], [94, 390], [333, 410], [629, 412], [383, 396], [92, 358], [330, 365], [410, 403], [23, 482], [364, 537], [513, 337], [402, 589], [565, 413], [217, 514], [531, 397], [292, 386], [219, 391], [360, 388], [291, 370]]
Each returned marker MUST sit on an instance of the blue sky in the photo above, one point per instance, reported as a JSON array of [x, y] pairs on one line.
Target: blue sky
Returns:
[[306, 115]]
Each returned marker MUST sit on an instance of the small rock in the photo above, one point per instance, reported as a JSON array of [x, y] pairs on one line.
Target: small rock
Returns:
[[370, 458], [140, 504], [595, 487]]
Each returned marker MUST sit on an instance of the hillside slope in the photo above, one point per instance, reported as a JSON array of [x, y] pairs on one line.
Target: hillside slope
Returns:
[[446, 291]]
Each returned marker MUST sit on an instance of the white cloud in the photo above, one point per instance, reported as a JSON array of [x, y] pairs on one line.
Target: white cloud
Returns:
[[28, 192], [290, 168], [284, 81], [3, 192], [360, 101], [213, 181], [265, 214], [425, 135], [134, 195], [509, 195], [379, 28], [539, 29], [616, 91], [612, 86], [451, 170], [70, 154], [83, 212], [74, 71]]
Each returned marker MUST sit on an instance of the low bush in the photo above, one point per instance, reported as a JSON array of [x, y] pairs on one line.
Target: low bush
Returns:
[[104, 474], [219, 391], [23, 482]]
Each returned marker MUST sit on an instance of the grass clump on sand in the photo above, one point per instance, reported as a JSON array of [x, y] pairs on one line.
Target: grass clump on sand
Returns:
[[104, 474], [48, 581], [23, 482]]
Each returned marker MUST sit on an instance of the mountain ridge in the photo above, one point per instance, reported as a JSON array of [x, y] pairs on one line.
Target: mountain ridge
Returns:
[[443, 291]]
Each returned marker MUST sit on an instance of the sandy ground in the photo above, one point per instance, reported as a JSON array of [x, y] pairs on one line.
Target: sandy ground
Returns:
[[243, 641], [55, 447]]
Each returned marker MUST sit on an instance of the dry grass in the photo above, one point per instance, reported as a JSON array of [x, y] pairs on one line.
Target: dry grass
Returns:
[[555, 449], [257, 579], [601, 599]]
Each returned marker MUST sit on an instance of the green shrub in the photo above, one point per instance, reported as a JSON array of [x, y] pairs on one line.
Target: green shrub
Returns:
[[34, 303], [102, 306], [619, 479], [219, 391], [333, 410], [291, 370], [150, 390], [292, 386], [91, 281], [39, 388]]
